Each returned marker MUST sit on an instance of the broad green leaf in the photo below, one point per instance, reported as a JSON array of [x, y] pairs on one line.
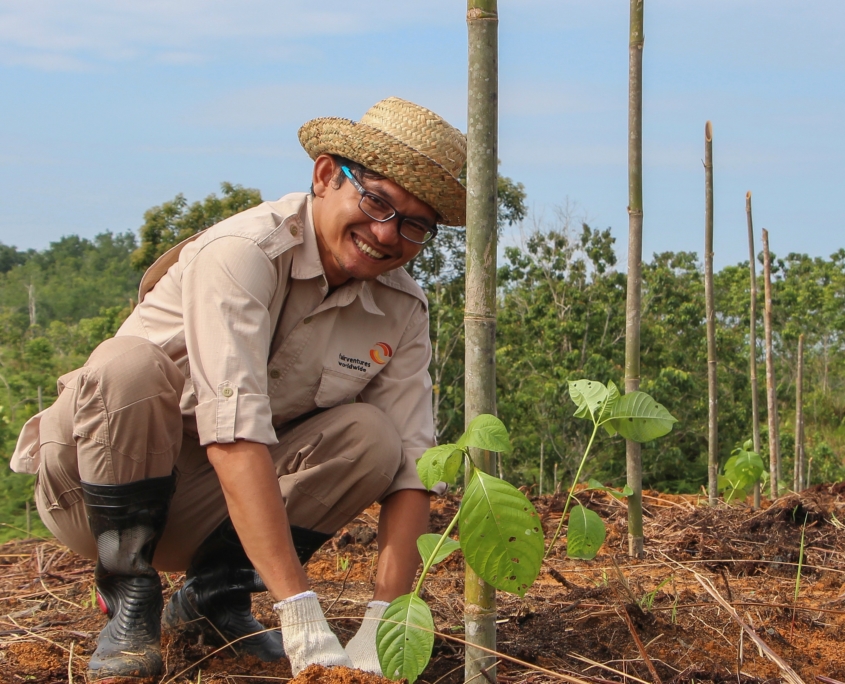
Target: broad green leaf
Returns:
[[615, 493], [452, 467], [746, 464], [638, 417], [607, 408], [405, 638], [486, 432], [433, 465], [427, 542], [589, 396], [501, 534], [585, 533]]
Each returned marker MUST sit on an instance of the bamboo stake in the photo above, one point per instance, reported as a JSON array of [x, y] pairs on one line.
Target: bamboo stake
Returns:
[[710, 308], [541, 467], [480, 312], [752, 343], [633, 307], [798, 483], [771, 392]]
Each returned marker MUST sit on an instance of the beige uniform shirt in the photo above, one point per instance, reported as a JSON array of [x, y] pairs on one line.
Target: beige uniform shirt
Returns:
[[243, 309]]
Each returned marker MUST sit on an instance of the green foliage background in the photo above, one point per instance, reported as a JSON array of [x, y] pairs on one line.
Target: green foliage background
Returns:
[[561, 317]]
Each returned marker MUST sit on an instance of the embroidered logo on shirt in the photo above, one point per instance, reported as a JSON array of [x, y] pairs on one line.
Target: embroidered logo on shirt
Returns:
[[352, 363], [381, 352]]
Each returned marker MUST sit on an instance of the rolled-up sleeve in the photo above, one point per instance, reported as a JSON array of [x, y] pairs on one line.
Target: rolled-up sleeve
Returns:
[[226, 291], [403, 391]]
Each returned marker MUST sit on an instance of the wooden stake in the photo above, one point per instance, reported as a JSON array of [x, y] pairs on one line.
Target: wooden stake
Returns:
[[480, 311], [799, 482], [710, 308], [771, 391], [633, 306], [541, 467], [752, 343]]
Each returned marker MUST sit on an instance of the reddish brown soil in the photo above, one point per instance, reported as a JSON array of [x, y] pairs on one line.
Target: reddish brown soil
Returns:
[[582, 619]]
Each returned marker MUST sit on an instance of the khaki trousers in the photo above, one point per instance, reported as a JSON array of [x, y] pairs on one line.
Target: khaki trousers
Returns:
[[117, 420]]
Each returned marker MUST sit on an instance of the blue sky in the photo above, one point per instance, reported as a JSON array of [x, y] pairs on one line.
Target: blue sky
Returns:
[[110, 107]]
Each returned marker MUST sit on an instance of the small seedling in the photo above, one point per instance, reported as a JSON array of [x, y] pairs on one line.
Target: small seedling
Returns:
[[798, 575], [341, 563], [647, 601], [635, 416], [741, 472], [501, 539]]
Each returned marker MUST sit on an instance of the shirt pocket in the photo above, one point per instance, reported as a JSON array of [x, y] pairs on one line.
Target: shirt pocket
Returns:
[[338, 388]]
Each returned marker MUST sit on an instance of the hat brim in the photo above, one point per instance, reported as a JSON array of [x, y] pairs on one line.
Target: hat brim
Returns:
[[385, 155]]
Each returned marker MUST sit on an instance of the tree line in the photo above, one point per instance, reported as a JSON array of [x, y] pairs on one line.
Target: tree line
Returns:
[[561, 317]]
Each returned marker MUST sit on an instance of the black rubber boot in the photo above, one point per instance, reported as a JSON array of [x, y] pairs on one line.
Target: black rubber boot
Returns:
[[127, 522], [215, 599]]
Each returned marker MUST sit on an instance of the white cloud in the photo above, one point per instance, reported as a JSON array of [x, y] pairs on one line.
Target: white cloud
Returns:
[[289, 105], [51, 34]]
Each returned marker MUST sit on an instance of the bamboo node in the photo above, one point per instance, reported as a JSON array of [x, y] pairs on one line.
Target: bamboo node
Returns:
[[477, 13]]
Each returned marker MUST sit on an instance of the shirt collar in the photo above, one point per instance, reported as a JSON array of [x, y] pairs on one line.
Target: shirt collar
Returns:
[[306, 265], [306, 262]]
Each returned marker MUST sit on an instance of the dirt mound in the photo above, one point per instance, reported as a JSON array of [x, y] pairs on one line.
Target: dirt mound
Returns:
[[611, 619]]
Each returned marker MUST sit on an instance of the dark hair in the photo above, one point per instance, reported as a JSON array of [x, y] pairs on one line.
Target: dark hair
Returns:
[[358, 170]]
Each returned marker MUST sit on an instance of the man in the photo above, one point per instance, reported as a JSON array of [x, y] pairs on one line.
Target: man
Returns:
[[271, 384]]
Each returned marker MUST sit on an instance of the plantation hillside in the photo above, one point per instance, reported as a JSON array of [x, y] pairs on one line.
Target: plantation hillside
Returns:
[[561, 317]]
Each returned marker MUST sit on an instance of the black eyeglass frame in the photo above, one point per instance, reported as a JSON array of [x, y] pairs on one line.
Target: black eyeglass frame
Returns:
[[432, 230]]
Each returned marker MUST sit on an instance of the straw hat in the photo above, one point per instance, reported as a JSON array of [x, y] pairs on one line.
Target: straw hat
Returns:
[[408, 144]]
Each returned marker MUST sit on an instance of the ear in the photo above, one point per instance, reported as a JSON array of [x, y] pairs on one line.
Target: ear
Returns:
[[324, 171]]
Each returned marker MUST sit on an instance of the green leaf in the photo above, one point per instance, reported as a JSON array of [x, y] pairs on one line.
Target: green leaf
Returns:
[[747, 465], [501, 534], [589, 396], [436, 463], [405, 638], [638, 417], [585, 533], [615, 493], [452, 467], [486, 432], [427, 542]]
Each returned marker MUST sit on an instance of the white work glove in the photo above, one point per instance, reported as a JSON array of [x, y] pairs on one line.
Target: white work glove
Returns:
[[306, 635], [362, 647]]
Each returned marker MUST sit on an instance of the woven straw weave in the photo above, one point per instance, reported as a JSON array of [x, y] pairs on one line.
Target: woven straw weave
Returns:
[[408, 144]]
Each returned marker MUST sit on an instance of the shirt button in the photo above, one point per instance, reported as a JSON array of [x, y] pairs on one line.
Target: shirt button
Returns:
[[308, 320], [227, 392], [294, 230], [275, 374]]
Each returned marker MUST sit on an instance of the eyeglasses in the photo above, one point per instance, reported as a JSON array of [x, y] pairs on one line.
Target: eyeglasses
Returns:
[[413, 230]]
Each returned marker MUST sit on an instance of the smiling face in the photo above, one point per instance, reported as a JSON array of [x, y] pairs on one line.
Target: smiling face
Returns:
[[351, 244]]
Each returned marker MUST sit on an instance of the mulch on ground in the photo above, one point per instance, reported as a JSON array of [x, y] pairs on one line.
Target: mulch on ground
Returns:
[[671, 617]]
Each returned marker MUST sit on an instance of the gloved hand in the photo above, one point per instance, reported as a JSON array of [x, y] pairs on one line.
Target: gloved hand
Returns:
[[306, 635], [362, 647]]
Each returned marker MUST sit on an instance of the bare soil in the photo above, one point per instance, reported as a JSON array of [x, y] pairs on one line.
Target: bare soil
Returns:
[[613, 619]]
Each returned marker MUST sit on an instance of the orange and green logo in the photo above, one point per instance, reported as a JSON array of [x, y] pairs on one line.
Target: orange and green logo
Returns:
[[381, 352]]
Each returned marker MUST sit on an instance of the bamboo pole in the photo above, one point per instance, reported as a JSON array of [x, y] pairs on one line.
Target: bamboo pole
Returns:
[[771, 392], [633, 306], [798, 483], [480, 312], [752, 343], [710, 308], [541, 467]]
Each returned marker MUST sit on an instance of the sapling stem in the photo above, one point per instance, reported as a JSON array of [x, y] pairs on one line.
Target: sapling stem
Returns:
[[430, 560], [571, 494]]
